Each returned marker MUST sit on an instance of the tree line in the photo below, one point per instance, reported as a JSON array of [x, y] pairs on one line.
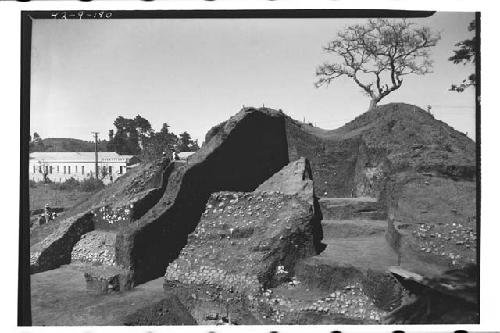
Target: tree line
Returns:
[[135, 136], [131, 136]]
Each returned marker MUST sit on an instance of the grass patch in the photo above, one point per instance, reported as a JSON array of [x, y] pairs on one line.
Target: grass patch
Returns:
[[66, 194]]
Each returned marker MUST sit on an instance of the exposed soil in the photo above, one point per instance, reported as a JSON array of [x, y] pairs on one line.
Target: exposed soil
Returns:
[[435, 219], [60, 297], [397, 187]]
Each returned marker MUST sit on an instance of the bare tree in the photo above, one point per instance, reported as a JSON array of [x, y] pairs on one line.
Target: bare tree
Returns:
[[378, 54]]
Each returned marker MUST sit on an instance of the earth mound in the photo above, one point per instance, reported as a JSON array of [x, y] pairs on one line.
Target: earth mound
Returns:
[[397, 157]]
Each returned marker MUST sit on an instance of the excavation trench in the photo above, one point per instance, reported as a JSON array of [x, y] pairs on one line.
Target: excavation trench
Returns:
[[242, 155]]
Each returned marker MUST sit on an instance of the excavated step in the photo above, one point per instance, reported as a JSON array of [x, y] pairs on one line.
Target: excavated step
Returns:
[[357, 251], [354, 258], [363, 252], [351, 208], [352, 228]]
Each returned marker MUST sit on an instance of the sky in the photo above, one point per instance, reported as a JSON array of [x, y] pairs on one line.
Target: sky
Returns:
[[196, 73]]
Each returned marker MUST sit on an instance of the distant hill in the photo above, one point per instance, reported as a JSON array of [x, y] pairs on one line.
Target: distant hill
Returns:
[[68, 144]]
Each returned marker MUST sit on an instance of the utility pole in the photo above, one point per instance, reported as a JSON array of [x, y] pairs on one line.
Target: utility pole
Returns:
[[96, 155]]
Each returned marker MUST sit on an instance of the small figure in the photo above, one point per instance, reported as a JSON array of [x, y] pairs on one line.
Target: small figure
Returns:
[[47, 213]]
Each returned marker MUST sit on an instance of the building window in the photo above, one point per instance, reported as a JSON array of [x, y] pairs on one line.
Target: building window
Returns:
[[34, 169], [121, 169], [69, 168], [64, 169], [76, 168], [110, 169], [83, 170], [50, 169], [57, 169], [40, 168]]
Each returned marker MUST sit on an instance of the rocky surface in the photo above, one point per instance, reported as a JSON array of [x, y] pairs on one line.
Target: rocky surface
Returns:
[[241, 240], [244, 239], [109, 218], [96, 247]]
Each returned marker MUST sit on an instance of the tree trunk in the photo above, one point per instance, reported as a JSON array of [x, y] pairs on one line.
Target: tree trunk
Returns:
[[373, 103]]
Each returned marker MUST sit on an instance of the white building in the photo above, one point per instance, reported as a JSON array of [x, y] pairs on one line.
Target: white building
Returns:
[[183, 155], [60, 166]]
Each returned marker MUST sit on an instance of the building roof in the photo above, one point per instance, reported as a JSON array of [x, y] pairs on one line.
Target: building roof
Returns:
[[79, 157]]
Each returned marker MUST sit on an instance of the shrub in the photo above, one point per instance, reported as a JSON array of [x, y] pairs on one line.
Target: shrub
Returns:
[[91, 185], [68, 185]]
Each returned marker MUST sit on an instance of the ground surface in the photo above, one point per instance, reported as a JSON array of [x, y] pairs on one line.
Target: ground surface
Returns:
[[42, 194], [59, 298]]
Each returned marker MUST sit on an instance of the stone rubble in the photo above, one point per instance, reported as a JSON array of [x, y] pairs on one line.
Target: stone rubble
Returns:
[[107, 217], [232, 224], [96, 247], [455, 242]]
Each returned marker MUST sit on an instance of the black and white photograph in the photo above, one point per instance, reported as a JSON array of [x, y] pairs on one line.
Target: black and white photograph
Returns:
[[250, 168]]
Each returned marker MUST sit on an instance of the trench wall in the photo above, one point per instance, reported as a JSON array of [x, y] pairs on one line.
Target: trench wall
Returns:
[[343, 167], [240, 157], [55, 250]]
